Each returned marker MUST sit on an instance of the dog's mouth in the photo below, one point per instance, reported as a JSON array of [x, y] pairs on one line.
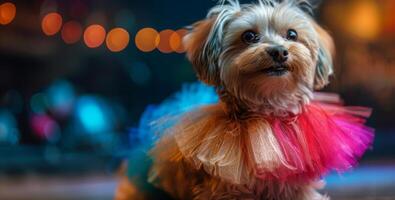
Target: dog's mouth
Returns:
[[276, 70]]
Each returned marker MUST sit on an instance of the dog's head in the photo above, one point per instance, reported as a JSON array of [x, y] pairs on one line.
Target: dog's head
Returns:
[[268, 52]]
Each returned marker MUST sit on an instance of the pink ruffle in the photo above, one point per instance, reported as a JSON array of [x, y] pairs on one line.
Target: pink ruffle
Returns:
[[324, 137]]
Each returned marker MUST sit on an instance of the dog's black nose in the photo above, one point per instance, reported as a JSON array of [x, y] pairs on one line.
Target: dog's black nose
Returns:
[[278, 53]]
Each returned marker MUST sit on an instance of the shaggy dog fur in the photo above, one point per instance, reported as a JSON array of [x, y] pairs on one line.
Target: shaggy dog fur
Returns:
[[265, 59]]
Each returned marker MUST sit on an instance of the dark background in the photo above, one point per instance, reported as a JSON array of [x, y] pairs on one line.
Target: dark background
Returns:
[[65, 86]]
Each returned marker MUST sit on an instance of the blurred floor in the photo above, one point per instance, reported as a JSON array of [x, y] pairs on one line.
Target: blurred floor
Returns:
[[58, 188], [367, 182]]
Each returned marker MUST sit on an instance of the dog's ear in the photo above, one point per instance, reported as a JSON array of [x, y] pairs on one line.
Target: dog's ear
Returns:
[[326, 46], [203, 43], [325, 58], [195, 44]]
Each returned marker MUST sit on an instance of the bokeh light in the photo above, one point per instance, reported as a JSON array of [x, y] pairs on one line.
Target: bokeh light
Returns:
[[45, 127], [51, 23], [117, 39], [164, 42], [176, 43], [60, 97], [92, 115], [9, 132], [94, 36], [39, 103], [364, 19], [147, 39], [71, 32], [7, 13]]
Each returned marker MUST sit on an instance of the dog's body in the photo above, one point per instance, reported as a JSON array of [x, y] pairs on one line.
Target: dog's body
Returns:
[[221, 56], [225, 175], [266, 138]]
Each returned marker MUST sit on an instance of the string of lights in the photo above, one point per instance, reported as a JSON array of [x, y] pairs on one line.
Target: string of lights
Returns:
[[95, 35]]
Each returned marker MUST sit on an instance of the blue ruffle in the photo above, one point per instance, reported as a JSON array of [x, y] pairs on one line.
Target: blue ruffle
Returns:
[[158, 118]]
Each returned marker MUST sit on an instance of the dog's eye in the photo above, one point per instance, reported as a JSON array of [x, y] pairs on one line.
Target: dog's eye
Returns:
[[292, 35], [250, 37]]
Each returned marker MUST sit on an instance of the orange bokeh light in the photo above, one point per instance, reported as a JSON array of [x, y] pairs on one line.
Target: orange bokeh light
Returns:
[[176, 40], [7, 13], [389, 18], [71, 32], [117, 39], [147, 39], [364, 19], [94, 36], [164, 42], [51, 23]]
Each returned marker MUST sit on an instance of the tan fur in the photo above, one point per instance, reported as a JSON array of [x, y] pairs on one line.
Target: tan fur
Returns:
[[325, 39], [198, 169], [328, 47], [193, 43]]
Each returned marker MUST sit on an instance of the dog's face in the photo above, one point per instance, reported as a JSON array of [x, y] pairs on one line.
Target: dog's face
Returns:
[[262, 52]]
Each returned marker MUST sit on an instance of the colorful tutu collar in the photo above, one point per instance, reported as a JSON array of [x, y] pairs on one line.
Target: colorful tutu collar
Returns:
[[303, 147]]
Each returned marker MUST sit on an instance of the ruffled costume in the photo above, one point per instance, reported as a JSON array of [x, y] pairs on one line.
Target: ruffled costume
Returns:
[[325, 136]]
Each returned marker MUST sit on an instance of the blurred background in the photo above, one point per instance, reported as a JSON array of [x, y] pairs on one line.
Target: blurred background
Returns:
[[75, 75]]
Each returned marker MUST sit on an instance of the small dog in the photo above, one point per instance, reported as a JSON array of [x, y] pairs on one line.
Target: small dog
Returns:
[[268, 57], [267, 137]]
